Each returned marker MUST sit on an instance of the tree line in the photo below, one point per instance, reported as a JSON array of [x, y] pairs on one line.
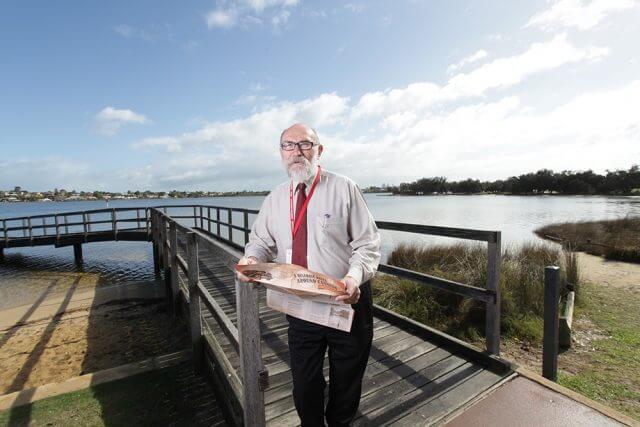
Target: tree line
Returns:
[[544, 181]]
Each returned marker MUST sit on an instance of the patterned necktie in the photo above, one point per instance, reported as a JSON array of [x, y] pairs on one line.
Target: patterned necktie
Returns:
[[299, 255]]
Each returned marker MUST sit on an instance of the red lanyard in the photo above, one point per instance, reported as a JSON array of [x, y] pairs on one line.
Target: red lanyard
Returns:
[[303, 210]]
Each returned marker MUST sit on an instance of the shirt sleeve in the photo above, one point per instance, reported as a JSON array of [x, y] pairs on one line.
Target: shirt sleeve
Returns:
[[365, 238], [261, 244]]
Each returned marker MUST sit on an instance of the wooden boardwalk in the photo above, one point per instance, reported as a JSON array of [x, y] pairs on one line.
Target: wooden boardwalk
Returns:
[[409, 379], [415, 375]]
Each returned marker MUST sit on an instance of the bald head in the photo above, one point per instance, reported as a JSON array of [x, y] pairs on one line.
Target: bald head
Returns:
[[299, 132]]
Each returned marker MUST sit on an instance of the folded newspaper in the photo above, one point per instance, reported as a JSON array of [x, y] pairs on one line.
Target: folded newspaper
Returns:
[[302, 293]]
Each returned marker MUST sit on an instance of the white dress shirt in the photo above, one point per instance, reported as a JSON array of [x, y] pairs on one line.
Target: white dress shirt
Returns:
[[342, 237]]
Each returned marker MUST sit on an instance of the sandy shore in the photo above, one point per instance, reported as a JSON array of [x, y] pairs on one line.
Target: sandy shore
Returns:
[[598, 270], [62, 337]]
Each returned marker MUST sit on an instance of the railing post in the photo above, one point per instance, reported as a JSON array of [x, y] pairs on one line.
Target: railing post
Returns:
[[230, 224], [146, 221], [218, 222], [30, 229], [44, 225], [114, 224], [57, 229], [163, 245], [201, 219], [195, 320], [254, 374], [84, 225], [89, 222], [24, 227], [154, 241], [550, 337], [173, 248], [6, 233], [492, 325], [66, 224], [195, 217], [209, 219], [246, 227]]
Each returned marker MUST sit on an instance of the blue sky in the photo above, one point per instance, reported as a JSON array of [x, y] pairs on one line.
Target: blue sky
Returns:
[[159, 95]]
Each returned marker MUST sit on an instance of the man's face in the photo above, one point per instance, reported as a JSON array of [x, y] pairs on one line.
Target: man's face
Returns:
[[297, 162]]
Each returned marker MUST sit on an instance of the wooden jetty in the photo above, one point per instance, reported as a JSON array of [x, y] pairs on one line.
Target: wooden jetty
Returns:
[[416, 375]]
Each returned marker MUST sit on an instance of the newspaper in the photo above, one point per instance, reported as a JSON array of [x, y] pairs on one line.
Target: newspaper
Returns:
[[335, 314], [302, 293]]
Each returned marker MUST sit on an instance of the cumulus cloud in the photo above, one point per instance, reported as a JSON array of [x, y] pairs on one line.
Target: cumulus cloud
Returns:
[[579, 14], [110, 120], [481, 54], [498, 74]]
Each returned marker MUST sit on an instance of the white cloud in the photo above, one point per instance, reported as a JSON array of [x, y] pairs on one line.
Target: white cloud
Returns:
[[221, 18], [500, 73], [579, 14], [505, 72], [481, 54], [247, 13], [123, 30], [110, 120], [354, 7], [280, 18]]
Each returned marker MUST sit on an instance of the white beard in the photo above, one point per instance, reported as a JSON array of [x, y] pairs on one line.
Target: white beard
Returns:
[[301, 174]]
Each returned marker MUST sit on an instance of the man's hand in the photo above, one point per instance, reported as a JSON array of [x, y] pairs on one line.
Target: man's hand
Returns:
[[246, 261], [353, 291]]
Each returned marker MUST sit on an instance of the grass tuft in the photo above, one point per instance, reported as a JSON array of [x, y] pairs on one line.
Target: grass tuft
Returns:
[[521, 286]]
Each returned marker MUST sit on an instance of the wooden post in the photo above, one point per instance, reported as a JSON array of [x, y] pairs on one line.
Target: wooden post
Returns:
[[492, 325], [44, 225], [24, 227], [550, 337], [6, 233], [114, 224], [195, 218], [201, 219], [154, 242], [57, 229], [146, 220], [229, 227], [66, 224], [173, 253], [195, 321], [166, 254], [246, 227], [89, 222], [84, 225], [209, 220], [253, 371], [218, 222], [77, 253]]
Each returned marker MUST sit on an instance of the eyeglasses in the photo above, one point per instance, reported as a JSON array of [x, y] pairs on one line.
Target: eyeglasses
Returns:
[[290, 146]]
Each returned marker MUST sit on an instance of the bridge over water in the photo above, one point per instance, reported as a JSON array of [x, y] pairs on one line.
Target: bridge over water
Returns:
[[416, 375]]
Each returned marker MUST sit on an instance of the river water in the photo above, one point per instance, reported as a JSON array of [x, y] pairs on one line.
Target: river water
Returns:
[[114, 262]]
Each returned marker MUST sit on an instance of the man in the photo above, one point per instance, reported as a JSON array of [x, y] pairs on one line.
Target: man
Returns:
[[319, 220]]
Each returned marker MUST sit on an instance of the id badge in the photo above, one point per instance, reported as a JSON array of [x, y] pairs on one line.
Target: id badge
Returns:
[[289, 255]]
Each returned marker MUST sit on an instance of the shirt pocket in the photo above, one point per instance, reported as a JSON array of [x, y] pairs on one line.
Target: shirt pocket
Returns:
[[333, 233]]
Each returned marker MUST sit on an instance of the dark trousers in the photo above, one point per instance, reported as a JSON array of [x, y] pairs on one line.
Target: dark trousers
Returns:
[[348, 354]]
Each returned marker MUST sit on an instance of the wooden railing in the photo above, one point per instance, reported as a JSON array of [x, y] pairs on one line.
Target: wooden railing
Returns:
[[76, 223], [247, 386], [212, 229]]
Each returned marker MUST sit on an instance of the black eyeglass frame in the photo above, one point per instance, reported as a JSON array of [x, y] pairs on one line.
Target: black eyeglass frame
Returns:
[[293, 145]]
